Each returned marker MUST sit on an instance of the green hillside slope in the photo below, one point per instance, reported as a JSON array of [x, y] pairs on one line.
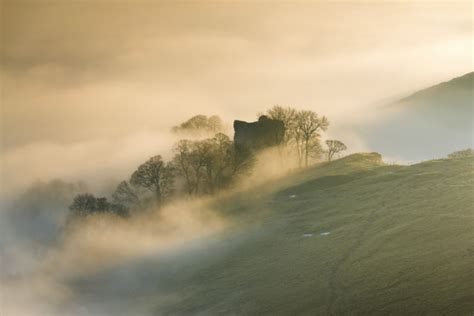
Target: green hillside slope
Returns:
[[427, 124], [350, 237]]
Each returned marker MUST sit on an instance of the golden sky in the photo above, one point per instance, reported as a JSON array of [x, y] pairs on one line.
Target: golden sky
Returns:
[[81, 77]]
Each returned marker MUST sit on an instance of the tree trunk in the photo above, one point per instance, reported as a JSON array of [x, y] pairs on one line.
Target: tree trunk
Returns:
[[330, 154], [299, 152], [158, 196], [306, 153]]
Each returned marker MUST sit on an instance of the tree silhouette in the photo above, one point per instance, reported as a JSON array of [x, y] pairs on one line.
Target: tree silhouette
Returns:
[[154, 176], [199, 125], [188, 164], [87, 204], [334, 147], [124, 194], [308, 126], [84, 204], [205, 165], [288, 116]]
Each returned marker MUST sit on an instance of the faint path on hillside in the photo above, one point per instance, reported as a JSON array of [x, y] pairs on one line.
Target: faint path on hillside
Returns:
[[334, 279]]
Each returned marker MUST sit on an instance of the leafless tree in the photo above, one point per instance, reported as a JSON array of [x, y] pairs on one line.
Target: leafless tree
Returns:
[[334, 147], [189, 162], [155, 176], [200, 125], [205, 165], [308, 127], [126, 195], [288, 116]]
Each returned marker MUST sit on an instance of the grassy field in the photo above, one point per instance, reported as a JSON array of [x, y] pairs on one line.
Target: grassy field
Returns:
[[350, 237]]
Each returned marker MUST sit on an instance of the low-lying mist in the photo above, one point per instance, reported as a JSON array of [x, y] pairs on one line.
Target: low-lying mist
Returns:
[[36, 277], [46, 256], [95, 162]]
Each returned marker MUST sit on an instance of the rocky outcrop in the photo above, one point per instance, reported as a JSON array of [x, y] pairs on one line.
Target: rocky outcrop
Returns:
[[254, 136]]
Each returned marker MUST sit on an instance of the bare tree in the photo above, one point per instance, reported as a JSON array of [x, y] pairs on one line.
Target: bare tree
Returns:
[[87, 204], [84, 204], [315, 150], [288, 116], [126, 195], [189, 163], [155, 176], [302, 130], [308, 126], [219, 162], [205, 165], [200, 125], [334, 147], [290, 144]]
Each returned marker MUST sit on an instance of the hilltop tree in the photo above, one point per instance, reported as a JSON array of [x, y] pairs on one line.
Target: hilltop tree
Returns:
[[155, 176], [83, 204], [302, 130], [334, 147], [315, 150], [205, 165], [288, 116], [219, 162], [87, 204], [200, 124], [308, 126], [189, 163], [126, 195]]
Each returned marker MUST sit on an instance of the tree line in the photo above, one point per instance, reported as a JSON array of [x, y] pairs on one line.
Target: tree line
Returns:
[[204, 166], [303, 134]]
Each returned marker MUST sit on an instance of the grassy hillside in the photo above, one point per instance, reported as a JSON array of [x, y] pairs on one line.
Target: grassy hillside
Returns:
[[427, 124], [354, 236], [459, 85]]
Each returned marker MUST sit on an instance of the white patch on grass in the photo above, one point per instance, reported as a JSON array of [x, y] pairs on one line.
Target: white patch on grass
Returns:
[[324, 233]]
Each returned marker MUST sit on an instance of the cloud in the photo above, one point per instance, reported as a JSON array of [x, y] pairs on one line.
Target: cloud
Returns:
[[78, 71], [90, 89], [46, 283], [96, 162]]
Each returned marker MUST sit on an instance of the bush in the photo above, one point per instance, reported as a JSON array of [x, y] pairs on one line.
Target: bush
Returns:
[[462, 153]]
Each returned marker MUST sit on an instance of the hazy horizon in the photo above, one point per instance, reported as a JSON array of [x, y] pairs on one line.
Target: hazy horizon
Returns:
[[90, 89]]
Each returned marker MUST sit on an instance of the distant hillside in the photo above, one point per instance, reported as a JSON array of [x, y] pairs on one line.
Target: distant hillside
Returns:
[[349, 237], [427, 124], [459, 85]]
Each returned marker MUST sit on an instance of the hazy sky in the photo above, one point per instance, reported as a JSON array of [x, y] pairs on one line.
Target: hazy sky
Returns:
[[87, 84]]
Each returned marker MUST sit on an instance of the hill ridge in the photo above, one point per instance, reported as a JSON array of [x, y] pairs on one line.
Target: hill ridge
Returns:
[[462, 82]]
